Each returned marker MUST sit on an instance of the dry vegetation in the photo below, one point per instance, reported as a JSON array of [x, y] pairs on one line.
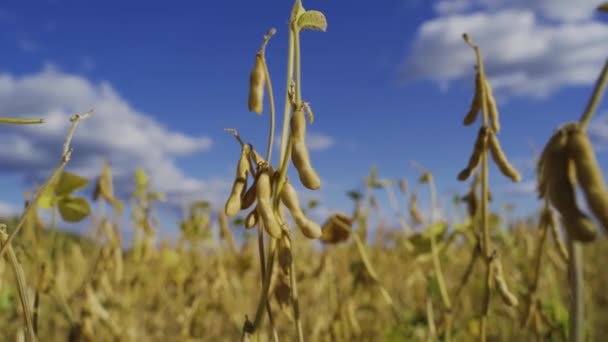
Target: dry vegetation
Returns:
[[481, 277]]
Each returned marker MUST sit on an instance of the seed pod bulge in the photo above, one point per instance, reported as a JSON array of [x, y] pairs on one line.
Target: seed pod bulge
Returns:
[[478, 149], [249, 197], [578, 225], [289, 197], [492, 109], [299, 152], [233, 205], [257, 80], [264, 207], [589, 175], [471, 116], [501, 160]]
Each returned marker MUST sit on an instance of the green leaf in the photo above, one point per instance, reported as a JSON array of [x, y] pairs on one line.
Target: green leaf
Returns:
[[141, 178], [312, 20], [74, 209], [45, 201], [69, 182]]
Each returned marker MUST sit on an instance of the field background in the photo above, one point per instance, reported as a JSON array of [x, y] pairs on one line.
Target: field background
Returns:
[[389, 84]]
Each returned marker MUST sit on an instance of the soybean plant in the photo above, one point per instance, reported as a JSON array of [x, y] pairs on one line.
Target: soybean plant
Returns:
[[271, 187], [487, 143]]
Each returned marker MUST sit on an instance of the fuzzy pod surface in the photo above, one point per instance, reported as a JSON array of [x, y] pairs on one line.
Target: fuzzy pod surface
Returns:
[[233, 205], [289, 197], [257, 80], [299, 151]]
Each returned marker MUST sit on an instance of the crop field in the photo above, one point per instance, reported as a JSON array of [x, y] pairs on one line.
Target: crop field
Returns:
[[263, 268]]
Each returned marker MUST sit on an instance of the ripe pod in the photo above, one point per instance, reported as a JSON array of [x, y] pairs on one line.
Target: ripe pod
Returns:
[[478, 149], [501, 285], [257, 80], [299, 151], [471, 116], [264, 207], [492, 109], [556, 182], [501, 159], [233, 205], [289, 197], [337, 228], [251, 219], [589, 174], [249, 197]]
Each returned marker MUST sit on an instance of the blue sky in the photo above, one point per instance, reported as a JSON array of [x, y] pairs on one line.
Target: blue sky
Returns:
[[389, 83]]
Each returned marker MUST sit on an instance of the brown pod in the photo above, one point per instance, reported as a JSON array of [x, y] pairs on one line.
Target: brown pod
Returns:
[[552, 163], [589, 174], [556, 182], [233, 205], [492, 109], [257, 79], [299, 151], [289, 197], [501, 285], [501, 160], [264, 207], [478, 149], [285, 257], [562, 195], [471, 116], [337, 228], [249, 197]]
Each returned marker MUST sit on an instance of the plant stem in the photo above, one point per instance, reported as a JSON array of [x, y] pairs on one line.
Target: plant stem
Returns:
[[266, 285], [262, 53], [21, 286], [577, 291], [294, 298], [263, 272], [596, 96], [21, 121]]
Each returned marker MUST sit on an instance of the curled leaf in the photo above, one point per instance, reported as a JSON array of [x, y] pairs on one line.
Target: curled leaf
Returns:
[[312, 20]]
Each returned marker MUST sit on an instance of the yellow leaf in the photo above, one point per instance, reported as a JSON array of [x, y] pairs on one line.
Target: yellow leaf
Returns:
[[312, 20]]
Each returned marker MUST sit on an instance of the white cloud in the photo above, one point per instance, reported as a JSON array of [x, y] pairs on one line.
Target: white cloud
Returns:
[[318, 141], [523, 188], [524, 53], [559, 10], [8, 209], [451, 6], [117, 131], [314, 140]]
